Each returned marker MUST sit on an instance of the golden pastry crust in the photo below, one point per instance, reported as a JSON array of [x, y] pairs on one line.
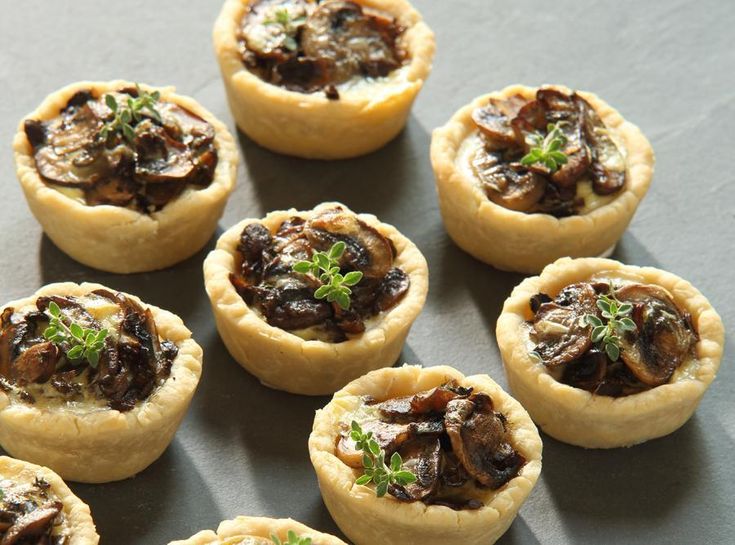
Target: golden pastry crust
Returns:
[[76, 512], [285, 361], [367, 519], [517, 241], [232, 532], [580, 418], [104, 445], [117, 239], [310, 125]]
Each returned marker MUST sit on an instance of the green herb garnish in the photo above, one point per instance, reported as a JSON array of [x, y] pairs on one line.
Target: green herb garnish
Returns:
[[373, 461], [335, 287], [282, 17], [607, 335], [80, 343], [547, 149], [130, 110], [293, 539]]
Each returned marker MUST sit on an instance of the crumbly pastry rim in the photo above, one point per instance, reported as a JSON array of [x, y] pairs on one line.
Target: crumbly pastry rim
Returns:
[[77, 513], [310, 367], [536, 239], [262, 110], [97, 446], [356, 509], [262, 527], [44, 199], [580, 418]]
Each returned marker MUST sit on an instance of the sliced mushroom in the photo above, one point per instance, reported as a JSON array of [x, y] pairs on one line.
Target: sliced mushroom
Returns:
[[392, 289], [160, 158], [509, 185], [530, 119], [366, 249], [37, 363], [432, 401], [12, 336], [32, 524], [586, 372], [388, 436], [664, 336], [422, 457], [560, 330], [494, 119], [480, 440], [304, 73]]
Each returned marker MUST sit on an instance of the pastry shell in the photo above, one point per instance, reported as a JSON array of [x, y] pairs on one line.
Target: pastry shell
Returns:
[[118, 239], [311, 125], [102, 445], [521, 242], [367, 519], [231, 532], [76, 512], [285, 361], [577, 416]]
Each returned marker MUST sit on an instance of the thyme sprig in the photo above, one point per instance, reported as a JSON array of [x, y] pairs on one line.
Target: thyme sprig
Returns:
[[289, 24], [547, 149], [80, 343], [606, 334], [131, 110], [335, 287], [373, 461], [292, 539]]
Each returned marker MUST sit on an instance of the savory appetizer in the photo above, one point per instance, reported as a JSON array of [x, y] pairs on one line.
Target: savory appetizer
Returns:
[[604, 355], [260, 531], [93, 383], [122, 177], [526, 176], [412, 455], [322, 79], [37, 508], [308, 301]]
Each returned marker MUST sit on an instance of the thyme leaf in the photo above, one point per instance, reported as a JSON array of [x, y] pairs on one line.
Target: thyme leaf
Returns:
[[131, 110], [292, 539], [615, 322], [79, 343], [324, 266], [547, 149]]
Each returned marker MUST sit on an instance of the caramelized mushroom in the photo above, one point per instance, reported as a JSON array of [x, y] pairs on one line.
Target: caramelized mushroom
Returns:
[[422, 457], [37, 363], [432, 401], [494, 118], [509, 185], [608, 164], [32, 524], [392, 289], [388, 435]]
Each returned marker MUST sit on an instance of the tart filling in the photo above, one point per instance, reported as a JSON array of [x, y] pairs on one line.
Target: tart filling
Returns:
[[127, 148], [611, 336], [319, 45], [100, 349], [31, 514], [449, 438], [552, 154], [268, 282]]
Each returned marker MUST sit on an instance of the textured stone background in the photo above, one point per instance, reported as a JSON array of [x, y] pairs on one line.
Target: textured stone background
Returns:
[[668, 66]]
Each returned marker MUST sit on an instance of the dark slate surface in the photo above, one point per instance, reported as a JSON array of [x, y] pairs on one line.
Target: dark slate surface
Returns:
[[668, 66]]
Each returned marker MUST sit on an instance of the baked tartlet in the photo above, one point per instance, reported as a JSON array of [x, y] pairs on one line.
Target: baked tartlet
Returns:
[[525, 176], [271, 317], [322, 79], [635, 370], [131, 190], [37, 508], [473, 450], [258, 531], [93, 383]]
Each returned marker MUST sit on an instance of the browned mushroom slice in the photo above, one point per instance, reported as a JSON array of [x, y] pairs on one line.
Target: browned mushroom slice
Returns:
[[608, 164], [304, 73], [388, 436], [12, 335], [37, 363], [160, 158], [494, 118], [183, 125], [480, 440], [664, 336], [530, 119], [560, 330], [32, 524], [432, 401], [366, 249], [422, 457], [353, 41], [114, 191], [587, 372], [508, 185], [392, 289]]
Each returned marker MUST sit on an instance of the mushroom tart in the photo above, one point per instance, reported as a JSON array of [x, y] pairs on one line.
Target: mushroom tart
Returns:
[[122, 177], [261, 531], [308, 301], [605, 355], [412, 455], [93, 383], [527, 175], [322, 79], [37, 508]]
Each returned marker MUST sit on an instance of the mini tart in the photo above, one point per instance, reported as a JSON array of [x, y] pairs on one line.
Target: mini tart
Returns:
[[257, 531], [517, 241], [96, 444], [287, 362], [77, 522], [311, 125], [117, 239], [367, 519], [581, 418]]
